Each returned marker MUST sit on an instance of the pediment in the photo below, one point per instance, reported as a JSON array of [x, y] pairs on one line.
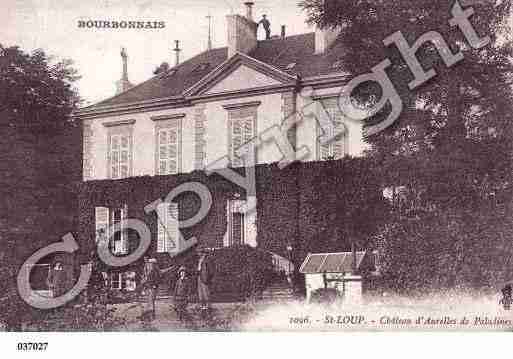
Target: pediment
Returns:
[[239, 73], [242, 78]]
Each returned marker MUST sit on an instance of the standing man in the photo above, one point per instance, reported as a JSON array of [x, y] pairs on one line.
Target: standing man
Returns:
[[150, 283], [56, 280], [205, 275], [267, 26], [181, 293]]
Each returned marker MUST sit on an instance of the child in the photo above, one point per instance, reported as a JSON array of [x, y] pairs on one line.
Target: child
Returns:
[[181, 295], [506, 297]]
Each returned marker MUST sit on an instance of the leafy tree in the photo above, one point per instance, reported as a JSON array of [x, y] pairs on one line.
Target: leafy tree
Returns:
[[41, 157], [449, 153]]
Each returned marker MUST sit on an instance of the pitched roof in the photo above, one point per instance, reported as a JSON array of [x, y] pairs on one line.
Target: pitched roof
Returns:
[[331, 262], [278, 52]]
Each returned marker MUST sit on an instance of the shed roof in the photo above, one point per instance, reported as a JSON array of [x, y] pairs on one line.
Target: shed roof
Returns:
[[341, 262]]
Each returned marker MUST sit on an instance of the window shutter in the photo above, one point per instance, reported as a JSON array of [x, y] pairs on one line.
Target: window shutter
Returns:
[[162, 210], [124, 233], [162, 151], [172, 228], [168, 232], [114, 156], [237, 141], [173, 151], [338, 143], [248, 129], [101, 215], [324, 148], [124, 160]]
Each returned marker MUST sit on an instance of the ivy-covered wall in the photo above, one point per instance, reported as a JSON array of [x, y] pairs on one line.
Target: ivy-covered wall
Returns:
[[295, 205]]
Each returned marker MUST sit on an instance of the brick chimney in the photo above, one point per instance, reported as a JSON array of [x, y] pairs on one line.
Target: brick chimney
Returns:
[[123, 84], [242, 32], [326, 37]]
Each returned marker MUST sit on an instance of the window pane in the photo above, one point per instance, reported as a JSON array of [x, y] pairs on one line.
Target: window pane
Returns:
[[163, 152], [114, 172], [248, 129], [237, 228], [115, 157], [236, 127], [124, 156], [162, 137], [172, 151], [124, 171], [172, 166], [115, 142], [124, 142], [172, 136], [116, 214], [162, 168]]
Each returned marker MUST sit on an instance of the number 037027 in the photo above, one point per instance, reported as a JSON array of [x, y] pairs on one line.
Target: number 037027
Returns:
[[32, 346]]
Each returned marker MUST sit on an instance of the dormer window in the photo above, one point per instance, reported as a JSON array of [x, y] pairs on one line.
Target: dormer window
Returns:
[[291, 66], [167, 74], [201, 67]]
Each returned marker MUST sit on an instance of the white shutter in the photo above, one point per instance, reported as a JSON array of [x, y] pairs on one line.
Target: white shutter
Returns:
[[124, 232], [247, 129], [124, 156], [338, 142], [237, 141], [114, 156], [168, 232], [324, 148], [334, 149], [162, 210], [101, 215], [173, 150], [172, 228]]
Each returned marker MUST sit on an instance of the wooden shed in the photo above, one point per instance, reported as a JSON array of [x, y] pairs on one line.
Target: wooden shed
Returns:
[[335, 270]]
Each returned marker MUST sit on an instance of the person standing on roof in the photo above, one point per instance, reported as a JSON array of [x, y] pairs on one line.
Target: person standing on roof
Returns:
[[267, 26]]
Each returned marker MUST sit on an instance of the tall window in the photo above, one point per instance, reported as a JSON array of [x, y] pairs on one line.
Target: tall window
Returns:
[[168, 145], [105, 219], [336, 148], [236, 223], [242, 130], [168, 230], [119, 156], [242, 127], [119, 148], [237, 235]]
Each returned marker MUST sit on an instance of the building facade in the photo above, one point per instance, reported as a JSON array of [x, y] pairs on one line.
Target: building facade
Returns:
[[198, 115]]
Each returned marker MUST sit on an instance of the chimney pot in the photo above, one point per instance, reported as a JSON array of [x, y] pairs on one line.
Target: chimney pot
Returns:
[[249, 9], [242, 34]]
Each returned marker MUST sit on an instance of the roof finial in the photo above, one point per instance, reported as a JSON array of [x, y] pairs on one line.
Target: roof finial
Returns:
[[177, 50], [209, 44], [124, 59], [123, 84]]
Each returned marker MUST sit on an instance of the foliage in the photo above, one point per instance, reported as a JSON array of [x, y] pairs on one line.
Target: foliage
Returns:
[[447, 159], [240, 272], [35, 93], [40, 159], [294, 205]]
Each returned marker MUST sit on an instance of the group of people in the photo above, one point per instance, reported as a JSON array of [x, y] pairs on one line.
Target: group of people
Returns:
[[152, 278], [183, 288]]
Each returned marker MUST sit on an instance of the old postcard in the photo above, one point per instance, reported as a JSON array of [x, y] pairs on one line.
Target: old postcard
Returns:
[[249, 166]]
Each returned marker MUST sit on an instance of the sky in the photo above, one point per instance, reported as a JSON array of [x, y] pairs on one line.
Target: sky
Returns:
[[52, 25]]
